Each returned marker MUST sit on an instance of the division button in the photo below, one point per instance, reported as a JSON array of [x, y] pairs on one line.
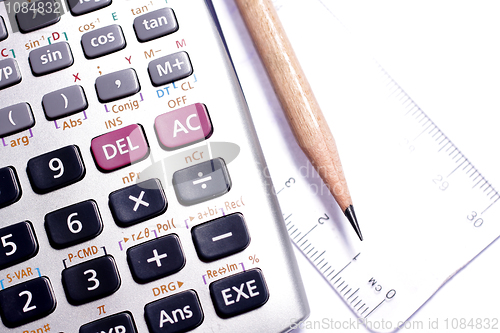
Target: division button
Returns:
[[113, 86], [9, 73], [184, 126], [27, 302], [79, 7], [30, 20], [201, 182], [10, 189], [137, 203], [155, 24], [3, 30], [122, 147], [170, 68], [178, 313], [50, 58], [91, 280], [221, 237], [18, 244], [118, 323], [103, 41], [239, 293], [55, 169], [15, 118], [156, 259], [73, 224], [64, 102]]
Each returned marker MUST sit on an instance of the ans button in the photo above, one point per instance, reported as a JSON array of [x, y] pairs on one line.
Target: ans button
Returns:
[[117, 149], [239, 293]]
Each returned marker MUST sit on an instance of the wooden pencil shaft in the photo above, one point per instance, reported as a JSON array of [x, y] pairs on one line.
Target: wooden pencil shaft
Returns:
[[295, 95]]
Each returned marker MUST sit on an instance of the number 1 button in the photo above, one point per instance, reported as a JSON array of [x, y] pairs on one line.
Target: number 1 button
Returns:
[[56, 169]]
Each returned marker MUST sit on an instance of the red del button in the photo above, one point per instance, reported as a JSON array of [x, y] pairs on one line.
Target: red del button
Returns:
[[120, 148]]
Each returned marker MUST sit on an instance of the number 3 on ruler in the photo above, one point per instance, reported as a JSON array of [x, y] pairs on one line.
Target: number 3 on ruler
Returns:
[[473, 218]]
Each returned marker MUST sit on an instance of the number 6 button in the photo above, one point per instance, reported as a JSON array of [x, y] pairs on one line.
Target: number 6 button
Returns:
[[56, 169], [26, 302], [91, 280]]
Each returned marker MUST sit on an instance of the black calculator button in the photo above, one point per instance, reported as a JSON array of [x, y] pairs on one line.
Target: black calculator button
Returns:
[[17, 243], [156, 259], [3, 30], [56, 169], [91, 280], [178, 313], [221, 237], [10, 189], [239, 293], [26, 302], [137, 203], [201, 182], [155, 24], [73, 224], [117, 323]]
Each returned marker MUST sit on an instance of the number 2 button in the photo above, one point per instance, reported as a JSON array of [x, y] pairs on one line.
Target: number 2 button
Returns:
[[26, 302], [56, 169]]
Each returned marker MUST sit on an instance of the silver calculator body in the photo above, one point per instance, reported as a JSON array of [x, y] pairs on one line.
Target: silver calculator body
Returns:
[[134, 194]]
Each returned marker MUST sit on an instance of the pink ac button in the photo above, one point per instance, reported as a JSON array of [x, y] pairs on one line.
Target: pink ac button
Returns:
[[120, 148], [184, 126]]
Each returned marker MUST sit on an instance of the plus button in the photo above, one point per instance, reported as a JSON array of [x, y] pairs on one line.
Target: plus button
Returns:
[[157, 258]]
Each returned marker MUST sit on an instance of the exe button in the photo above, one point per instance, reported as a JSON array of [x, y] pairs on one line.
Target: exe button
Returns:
[[239, 293], [184, 126], [117, 149]]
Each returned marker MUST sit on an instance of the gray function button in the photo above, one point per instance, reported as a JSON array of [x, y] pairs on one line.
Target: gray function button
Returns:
[[15, 118], [9, 73], [155, 24], [201, 182], [103, 41], [80, 7], [48, 12], [113, 86], [170, 68], [64, 102], [50, 58], [3, 30]]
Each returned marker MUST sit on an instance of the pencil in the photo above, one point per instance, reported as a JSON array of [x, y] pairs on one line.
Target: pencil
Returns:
[[297, 99]]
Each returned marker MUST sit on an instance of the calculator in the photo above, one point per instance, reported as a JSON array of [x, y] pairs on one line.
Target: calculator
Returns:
[[134, 196]]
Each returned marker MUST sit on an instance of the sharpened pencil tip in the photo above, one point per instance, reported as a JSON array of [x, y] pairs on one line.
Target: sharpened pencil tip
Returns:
[[351, 216]]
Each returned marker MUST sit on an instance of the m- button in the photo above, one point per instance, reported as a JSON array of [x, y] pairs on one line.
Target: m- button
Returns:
[[120, 148]]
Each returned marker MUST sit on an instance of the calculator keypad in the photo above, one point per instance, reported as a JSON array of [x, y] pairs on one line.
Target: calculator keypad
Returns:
[[29, 21], [9, 73], [170, 68], [50, 58], [10, 189], [17, 244], [79, 7], [118, 323], [103, 41], [3, 30], [56, 169], [91, 280], [113, 86], [16, 118], [26, 302], [155, 24], [64, 102]]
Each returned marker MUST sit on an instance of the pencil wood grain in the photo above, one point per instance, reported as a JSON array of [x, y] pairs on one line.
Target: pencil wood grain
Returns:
[[295, 95]]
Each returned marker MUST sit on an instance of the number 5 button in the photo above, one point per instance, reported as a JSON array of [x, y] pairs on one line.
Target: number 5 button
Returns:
[[56, 169], [91, 280], [18, 243]]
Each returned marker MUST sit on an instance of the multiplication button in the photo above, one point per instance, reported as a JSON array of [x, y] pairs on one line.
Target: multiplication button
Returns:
[[178, 313], [239, 293], [201, 182], [156, 259]]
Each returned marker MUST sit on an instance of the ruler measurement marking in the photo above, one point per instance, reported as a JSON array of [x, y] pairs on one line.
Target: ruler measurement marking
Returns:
[[288, 217], [326, 263], [354, 300], [347, 292], [342, 269], [319, 255], [362, 313], [326, 270], [330, 274], [375, 308], [310, 252], [340, 285], [294, 232], [344, 287], [456, 168], [307, 233]]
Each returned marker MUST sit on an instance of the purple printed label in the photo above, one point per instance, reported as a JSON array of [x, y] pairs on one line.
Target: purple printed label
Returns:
[[183, 126]]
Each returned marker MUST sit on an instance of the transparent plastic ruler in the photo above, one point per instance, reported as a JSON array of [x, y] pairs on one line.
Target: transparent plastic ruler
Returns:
[[424, 208]]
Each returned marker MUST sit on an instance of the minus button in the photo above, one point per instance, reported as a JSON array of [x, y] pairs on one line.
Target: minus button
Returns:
[[226, 235]]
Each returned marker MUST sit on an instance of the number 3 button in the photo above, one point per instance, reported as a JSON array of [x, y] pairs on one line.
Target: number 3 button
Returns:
[[91, 280], [56, 169]]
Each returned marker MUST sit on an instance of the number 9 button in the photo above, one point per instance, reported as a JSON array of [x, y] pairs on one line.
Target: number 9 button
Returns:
[[56, 169]]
